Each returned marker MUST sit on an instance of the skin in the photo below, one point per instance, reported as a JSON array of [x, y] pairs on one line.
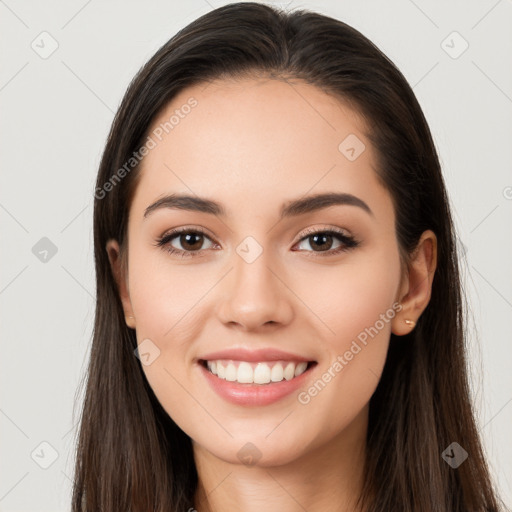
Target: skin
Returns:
[[252, 145]]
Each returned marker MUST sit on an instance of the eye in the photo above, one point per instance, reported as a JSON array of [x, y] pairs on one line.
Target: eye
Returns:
[[190, 240], [324, 239]]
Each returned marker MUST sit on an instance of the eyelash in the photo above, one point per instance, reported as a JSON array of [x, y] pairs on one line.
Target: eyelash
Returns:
[[348, 242]]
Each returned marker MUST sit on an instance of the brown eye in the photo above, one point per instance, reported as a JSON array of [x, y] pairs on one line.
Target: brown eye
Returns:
[[322, 242], [190, 242]]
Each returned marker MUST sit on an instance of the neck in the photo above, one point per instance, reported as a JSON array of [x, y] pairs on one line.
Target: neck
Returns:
[[326, 478]]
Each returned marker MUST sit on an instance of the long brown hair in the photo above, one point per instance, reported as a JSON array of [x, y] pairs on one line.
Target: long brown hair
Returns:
[[131, 456]]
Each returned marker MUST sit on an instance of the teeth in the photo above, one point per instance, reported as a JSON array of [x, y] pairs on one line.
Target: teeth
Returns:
[[231, 372], [221, 371], [277, 373], [289, 371], [245, 373], [262, 374], [300, 368], [257, 373], [212, 365]]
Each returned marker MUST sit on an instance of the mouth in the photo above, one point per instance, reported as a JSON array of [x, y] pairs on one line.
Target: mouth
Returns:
[[261, 372]]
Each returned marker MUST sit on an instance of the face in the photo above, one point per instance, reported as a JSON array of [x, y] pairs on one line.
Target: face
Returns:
[[261, 277]]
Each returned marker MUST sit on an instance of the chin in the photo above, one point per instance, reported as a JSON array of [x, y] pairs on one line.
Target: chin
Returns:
[[258, 451]]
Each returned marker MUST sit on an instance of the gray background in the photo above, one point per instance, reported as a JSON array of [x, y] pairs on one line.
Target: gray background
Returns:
[[56, 112]]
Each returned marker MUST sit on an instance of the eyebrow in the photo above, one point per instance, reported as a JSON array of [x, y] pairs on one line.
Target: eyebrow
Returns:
[[290, 209]]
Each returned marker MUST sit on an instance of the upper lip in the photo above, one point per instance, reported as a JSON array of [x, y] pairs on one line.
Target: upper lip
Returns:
[[254, 355]]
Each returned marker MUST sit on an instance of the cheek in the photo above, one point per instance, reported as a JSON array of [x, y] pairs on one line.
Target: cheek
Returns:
[[168, 301], [356, 304], [165, 297], [350, 298]]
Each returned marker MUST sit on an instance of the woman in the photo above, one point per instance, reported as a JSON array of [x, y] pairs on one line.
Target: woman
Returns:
[[279, 320]]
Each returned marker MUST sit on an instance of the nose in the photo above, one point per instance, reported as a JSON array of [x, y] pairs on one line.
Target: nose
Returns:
[[254, 295]]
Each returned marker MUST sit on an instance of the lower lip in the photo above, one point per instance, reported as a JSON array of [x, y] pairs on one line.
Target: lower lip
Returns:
[[254, 394]]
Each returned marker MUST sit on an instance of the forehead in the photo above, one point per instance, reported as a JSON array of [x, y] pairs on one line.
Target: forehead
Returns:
[[236, 117], [256, 139]]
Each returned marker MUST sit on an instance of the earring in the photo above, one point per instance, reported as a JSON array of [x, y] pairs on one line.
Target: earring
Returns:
[[410, 322]]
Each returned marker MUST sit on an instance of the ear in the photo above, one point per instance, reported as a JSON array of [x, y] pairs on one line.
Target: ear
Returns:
[[121, 277], [416, 286]]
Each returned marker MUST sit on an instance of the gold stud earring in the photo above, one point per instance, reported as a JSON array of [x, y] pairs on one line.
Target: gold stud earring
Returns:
[[410, 322]]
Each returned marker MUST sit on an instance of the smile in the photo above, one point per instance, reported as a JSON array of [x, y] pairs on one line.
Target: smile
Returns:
[[263, 372], [256, 386]]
